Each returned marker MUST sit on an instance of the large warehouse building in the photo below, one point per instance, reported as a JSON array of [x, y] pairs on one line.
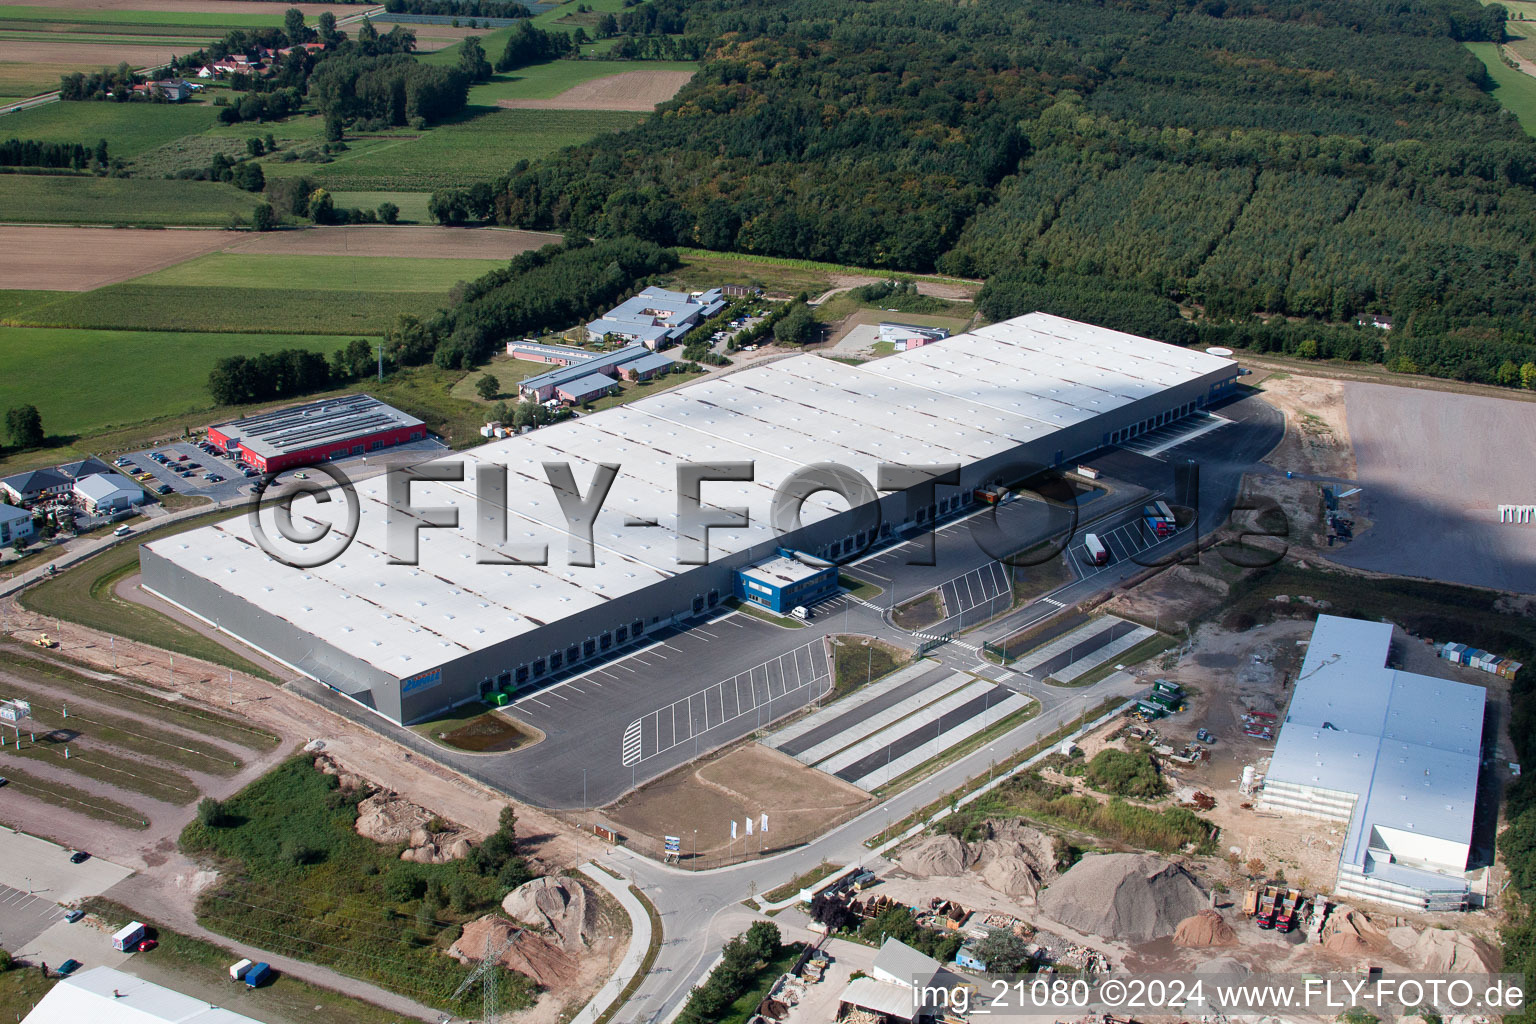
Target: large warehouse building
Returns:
[[1394, 755], [408, 641], [301, 435]]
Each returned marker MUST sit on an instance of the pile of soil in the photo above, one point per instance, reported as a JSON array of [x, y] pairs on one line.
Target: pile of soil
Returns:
[[386, 818], [1441, 951], [1203, 930], [1014, 860], [560, 906], [1134, 897], [1350, 933], [344, 779], [530, 954]]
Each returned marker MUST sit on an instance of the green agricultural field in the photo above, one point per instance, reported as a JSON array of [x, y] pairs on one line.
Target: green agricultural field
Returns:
[[1514, 89], [336, 273], [129, 128], [480, 147], [21, 78], [119, 377], [543, 81], [413, 205], [137, 307], [158, 19], [140, 202]]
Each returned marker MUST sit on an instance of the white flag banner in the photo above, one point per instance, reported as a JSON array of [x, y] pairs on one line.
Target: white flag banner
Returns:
[[749, 826], [733, 828], [764, 827]]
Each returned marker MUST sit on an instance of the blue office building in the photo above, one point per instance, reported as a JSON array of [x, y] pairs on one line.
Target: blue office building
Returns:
[[785, 581]]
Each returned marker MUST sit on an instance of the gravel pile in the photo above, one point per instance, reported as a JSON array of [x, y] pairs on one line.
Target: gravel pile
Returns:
[[1133, 897], [1015, 860]]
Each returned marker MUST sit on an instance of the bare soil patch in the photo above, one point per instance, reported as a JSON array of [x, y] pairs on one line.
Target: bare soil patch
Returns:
[[750, 780], [425, 242], [80, 259], [73, 51], [629, 90]]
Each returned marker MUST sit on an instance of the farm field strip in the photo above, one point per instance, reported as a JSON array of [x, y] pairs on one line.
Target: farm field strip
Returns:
[[329, 272], [74, 799], [546, 81], [191, 19]]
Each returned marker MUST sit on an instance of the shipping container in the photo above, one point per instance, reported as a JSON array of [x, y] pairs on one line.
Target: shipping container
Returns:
[[257, 974]]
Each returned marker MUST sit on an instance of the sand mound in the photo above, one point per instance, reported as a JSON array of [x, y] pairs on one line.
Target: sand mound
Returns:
[[385, 818], [1350, 933], [1223, 965], [1016, 861], [1446, 952], [1204, 929], [1129, 896], [559, 905], [530, 954], [937, 855]]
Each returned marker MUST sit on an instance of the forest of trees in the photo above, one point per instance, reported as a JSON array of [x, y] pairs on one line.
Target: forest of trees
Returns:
[[72, 155], [1245, 162], [391, 89], [459, 8]]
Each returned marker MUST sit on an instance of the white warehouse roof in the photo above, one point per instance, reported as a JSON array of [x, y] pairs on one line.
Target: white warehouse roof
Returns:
[[1406, 745], [974, 396], [103, 995]]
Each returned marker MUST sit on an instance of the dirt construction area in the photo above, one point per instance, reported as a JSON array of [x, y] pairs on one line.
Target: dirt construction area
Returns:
[[1435, 466], [751, 780], [79, 259], [631, 90]]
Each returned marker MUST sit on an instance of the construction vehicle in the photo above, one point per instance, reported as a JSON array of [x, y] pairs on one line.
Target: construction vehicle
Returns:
[[44, 640], [1264, 916], [1287, 910]]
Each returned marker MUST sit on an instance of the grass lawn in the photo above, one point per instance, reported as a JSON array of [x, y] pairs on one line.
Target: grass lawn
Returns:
[[480, 146], [201, 969], [764, 615], [861, 589], [476, 727], [140, 202], [1515, 89], [83, 594], [129, 128], [138, 307], [544, 81], [858, 657], [20, 990], [814, 266], [121, 377], [413, 205], [340, 273], [920, 612], [802, 881], [24, 78], [507, 371], [299, 880]]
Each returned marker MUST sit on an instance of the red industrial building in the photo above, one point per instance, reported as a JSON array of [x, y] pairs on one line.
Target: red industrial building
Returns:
[[305, 434]]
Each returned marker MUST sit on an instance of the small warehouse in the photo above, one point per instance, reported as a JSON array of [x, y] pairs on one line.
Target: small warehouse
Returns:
[[646, 367], [302, 435], [103, 995], [104, 493], [585, 389], [786, 581]]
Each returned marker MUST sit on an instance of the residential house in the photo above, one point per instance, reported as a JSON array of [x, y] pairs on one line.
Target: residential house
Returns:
[[34, 486], [15, 525]]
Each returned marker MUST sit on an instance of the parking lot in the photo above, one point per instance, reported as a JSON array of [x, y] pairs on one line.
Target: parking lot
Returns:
[[35, 877]]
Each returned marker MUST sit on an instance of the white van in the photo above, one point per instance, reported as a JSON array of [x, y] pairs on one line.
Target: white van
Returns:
[[800, 611], [122, 531]]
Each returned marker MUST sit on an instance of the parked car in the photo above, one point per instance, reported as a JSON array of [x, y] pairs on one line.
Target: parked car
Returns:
[[4, 781], [194, 465], [79, 857], [147, 945], [68, 967], [214, 478], [73, 916], [182, 458], [164, 489]]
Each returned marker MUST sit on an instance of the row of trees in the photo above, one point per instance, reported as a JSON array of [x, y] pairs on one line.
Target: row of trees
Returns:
[[73, 155], [107, 84], [1127, 158], [528, 45], [742, 959]]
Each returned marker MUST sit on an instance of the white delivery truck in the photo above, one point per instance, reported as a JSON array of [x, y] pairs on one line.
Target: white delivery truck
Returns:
[[237, 970], [1094, 551], [129, 936]]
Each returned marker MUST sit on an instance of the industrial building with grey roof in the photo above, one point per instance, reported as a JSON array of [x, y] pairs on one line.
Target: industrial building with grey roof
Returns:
[[410, 640], [1394, 755]]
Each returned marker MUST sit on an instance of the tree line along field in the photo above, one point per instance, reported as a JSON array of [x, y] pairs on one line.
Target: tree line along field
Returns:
[[1515, 89]]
